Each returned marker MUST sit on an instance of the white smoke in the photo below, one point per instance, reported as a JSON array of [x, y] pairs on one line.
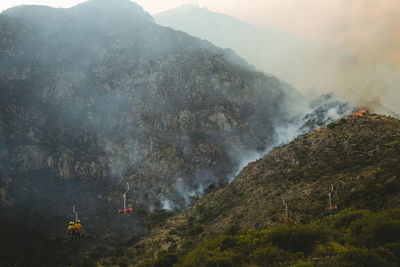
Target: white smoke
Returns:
[[245, 157], [321, 111], [333, 114], [183, 192], [166, 203]]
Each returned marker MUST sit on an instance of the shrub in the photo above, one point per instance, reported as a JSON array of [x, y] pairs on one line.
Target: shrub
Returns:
[[98, 252], [123, 262], [345, 218], [374, 231], [269, 256], [297, 238], [196, 229], [203, 257], [86, 262], [169, 239], [382, 232], [394, 248], [120, 251], [173, 232], [132, 240], [294, 242], [157, 217], [323, 250], [172, 247], [187, 244], [228, 242], [386, 254], [208, 213], [303, 264], [218, 262], [196, 257], [166, 260], [358, 257], [233, 229]]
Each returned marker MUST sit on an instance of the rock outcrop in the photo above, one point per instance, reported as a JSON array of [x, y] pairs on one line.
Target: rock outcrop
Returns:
[[100, 92]]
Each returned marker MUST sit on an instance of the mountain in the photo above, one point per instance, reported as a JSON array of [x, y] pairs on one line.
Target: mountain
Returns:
[[89, 94], [311, 67], [292, 58], [359, 156], [97, 95]]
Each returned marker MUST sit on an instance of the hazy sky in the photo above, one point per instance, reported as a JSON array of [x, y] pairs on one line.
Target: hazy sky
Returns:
[[370, 29], [367, 26]]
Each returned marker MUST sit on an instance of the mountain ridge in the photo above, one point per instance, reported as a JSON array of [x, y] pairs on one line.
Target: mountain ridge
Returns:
[[87, 105], [311, 66], [90, 77], [359, 156]]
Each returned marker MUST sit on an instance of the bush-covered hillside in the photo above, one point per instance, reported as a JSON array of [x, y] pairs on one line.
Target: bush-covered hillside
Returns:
[[350, 238], [359, 156]]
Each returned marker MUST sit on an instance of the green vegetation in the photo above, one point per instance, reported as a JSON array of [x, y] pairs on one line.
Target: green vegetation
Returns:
[[360, 156], [157, 217], [349, 238]]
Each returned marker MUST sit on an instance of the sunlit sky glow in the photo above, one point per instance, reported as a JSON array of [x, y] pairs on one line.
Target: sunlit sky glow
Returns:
[[366, 26]]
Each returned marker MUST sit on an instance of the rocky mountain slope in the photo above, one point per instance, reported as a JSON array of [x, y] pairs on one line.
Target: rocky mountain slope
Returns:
[[360, 156], [89, 94], [97, 95], [268, 49]]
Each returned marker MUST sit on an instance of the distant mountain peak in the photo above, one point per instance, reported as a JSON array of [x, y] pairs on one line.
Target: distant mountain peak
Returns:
[[119, 8], [184, 9], [98, 9], [190, 6], [110, 4]]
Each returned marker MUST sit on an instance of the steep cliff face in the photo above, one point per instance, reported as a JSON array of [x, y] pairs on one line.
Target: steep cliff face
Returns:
[[100, 92], [268, 49]]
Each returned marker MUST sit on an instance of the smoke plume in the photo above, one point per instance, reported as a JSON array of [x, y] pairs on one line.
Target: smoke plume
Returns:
[[355, 52]]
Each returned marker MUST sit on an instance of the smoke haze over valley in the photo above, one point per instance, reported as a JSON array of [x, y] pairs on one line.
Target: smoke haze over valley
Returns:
[[86, 101], [99, 94], [313, 67]]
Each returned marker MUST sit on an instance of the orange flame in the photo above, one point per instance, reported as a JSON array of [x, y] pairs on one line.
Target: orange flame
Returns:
[[360, 113]]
